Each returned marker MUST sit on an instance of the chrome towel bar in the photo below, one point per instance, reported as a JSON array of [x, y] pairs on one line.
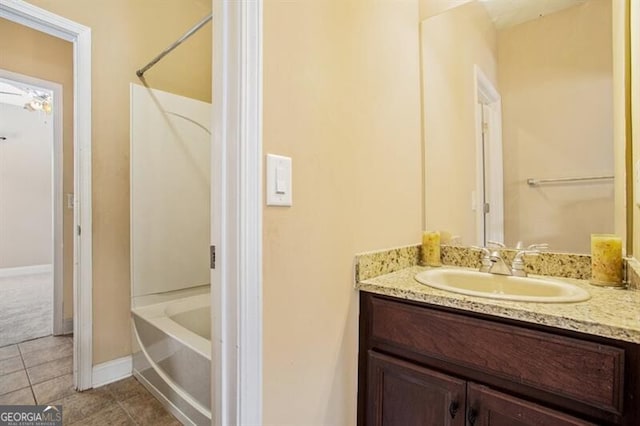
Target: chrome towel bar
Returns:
[[536, 182]]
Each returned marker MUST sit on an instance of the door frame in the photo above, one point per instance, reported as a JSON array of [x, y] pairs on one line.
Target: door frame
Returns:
[[57, 189], [486, 94], [41, 20], [236, 213]]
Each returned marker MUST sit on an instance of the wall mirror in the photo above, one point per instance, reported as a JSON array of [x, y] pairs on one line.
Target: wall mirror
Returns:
[[518, 122]]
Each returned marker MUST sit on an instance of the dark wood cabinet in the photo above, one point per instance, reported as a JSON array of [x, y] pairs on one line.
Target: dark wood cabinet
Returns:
[[404, 394], [488, 407], [426, 365]]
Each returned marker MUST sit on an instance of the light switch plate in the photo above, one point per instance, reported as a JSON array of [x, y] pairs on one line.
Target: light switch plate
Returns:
[[278, 180]]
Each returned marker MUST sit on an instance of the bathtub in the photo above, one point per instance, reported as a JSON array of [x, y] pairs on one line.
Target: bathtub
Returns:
[[173, 355]]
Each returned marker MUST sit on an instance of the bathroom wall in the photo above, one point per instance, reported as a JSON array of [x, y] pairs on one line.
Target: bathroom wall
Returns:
[[635, 110], [553, 114], [341, 97], [48, 58], [452, 43], [620, 124], [429, 8], [125, 36]]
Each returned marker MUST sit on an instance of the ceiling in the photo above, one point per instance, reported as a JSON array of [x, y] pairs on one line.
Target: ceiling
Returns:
[[12, 95], [24, 96], [507, 13]]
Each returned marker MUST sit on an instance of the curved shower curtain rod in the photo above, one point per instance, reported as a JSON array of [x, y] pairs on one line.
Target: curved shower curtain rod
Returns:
[[175, 44]]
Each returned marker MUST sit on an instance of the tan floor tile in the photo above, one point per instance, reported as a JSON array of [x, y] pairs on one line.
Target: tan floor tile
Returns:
[[53, 353], [13, 381], [146, 410], [9, 351], [44, 343], [11, 365], [80, 405], [19, 397], [50, 370], [167, 420], [54, 389], [113, 415], [126, 389]]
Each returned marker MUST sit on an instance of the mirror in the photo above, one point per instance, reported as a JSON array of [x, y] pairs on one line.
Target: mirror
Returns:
[[518, 122]]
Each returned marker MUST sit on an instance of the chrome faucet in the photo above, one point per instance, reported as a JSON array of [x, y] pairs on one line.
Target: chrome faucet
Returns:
[[498, 265], [493, 262]]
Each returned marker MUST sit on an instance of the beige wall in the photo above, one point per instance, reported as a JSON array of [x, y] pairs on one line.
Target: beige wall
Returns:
[[452, 43], [125, 35], [635, 110], [555, 78], [429, 8], [620, 75], [48, 58], [341, 97]]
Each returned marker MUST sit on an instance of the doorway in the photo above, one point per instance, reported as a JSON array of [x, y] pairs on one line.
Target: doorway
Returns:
[[31, 216], [79, 36], [489, 198]]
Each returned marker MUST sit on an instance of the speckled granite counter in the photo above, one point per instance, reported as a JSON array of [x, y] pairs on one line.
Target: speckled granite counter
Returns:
[[609, 313]]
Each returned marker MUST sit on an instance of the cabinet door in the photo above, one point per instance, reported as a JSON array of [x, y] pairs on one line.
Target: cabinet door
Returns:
[[491, 408], [403, 394]]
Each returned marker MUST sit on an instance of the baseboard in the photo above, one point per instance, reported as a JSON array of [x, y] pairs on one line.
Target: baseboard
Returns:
[[111, 371], [25, 270], [67, 326]]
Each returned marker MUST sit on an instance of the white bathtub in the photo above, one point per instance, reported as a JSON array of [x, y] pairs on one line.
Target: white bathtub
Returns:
[[174, 356]]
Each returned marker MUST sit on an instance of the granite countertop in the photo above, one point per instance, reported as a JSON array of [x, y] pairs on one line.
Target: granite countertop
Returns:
[[612, 313]]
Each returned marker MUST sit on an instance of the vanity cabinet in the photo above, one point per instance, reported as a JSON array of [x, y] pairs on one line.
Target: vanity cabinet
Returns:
[[401, 393], [488, 407], [425, 365]]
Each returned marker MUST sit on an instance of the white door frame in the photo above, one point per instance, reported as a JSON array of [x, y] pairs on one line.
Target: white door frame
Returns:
[[56, 193], [39, 19], [236, 209], [486, 94]]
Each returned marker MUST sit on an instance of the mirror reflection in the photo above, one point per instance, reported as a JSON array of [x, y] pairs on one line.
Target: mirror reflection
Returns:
[[518, 122]]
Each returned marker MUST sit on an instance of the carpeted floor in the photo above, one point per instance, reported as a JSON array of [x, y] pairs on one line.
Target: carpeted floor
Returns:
[[26, 307]]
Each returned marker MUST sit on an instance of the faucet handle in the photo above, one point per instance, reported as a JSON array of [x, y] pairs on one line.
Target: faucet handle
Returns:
[[519, 257], [485, 251], [538, 247], [485, 261], [496, 244], [517, 265]]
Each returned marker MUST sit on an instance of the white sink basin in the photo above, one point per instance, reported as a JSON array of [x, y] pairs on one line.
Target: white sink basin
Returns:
[[521, 289]]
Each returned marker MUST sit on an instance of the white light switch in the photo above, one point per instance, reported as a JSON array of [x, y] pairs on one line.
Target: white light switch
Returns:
[[278, 180], [281, 181]]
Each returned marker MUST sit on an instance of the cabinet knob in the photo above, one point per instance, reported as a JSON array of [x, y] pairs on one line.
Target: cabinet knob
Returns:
[[472, 416], [453, 409]]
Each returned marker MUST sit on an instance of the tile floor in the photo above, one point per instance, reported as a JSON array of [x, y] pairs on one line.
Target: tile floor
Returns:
[[40, 371]]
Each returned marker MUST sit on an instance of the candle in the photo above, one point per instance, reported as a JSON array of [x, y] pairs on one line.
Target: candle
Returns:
[[431, 248], [606, 260]]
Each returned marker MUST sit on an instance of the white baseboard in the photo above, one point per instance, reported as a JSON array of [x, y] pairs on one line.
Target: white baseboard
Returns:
[[67, 326], [111, 371], [25, 270]]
